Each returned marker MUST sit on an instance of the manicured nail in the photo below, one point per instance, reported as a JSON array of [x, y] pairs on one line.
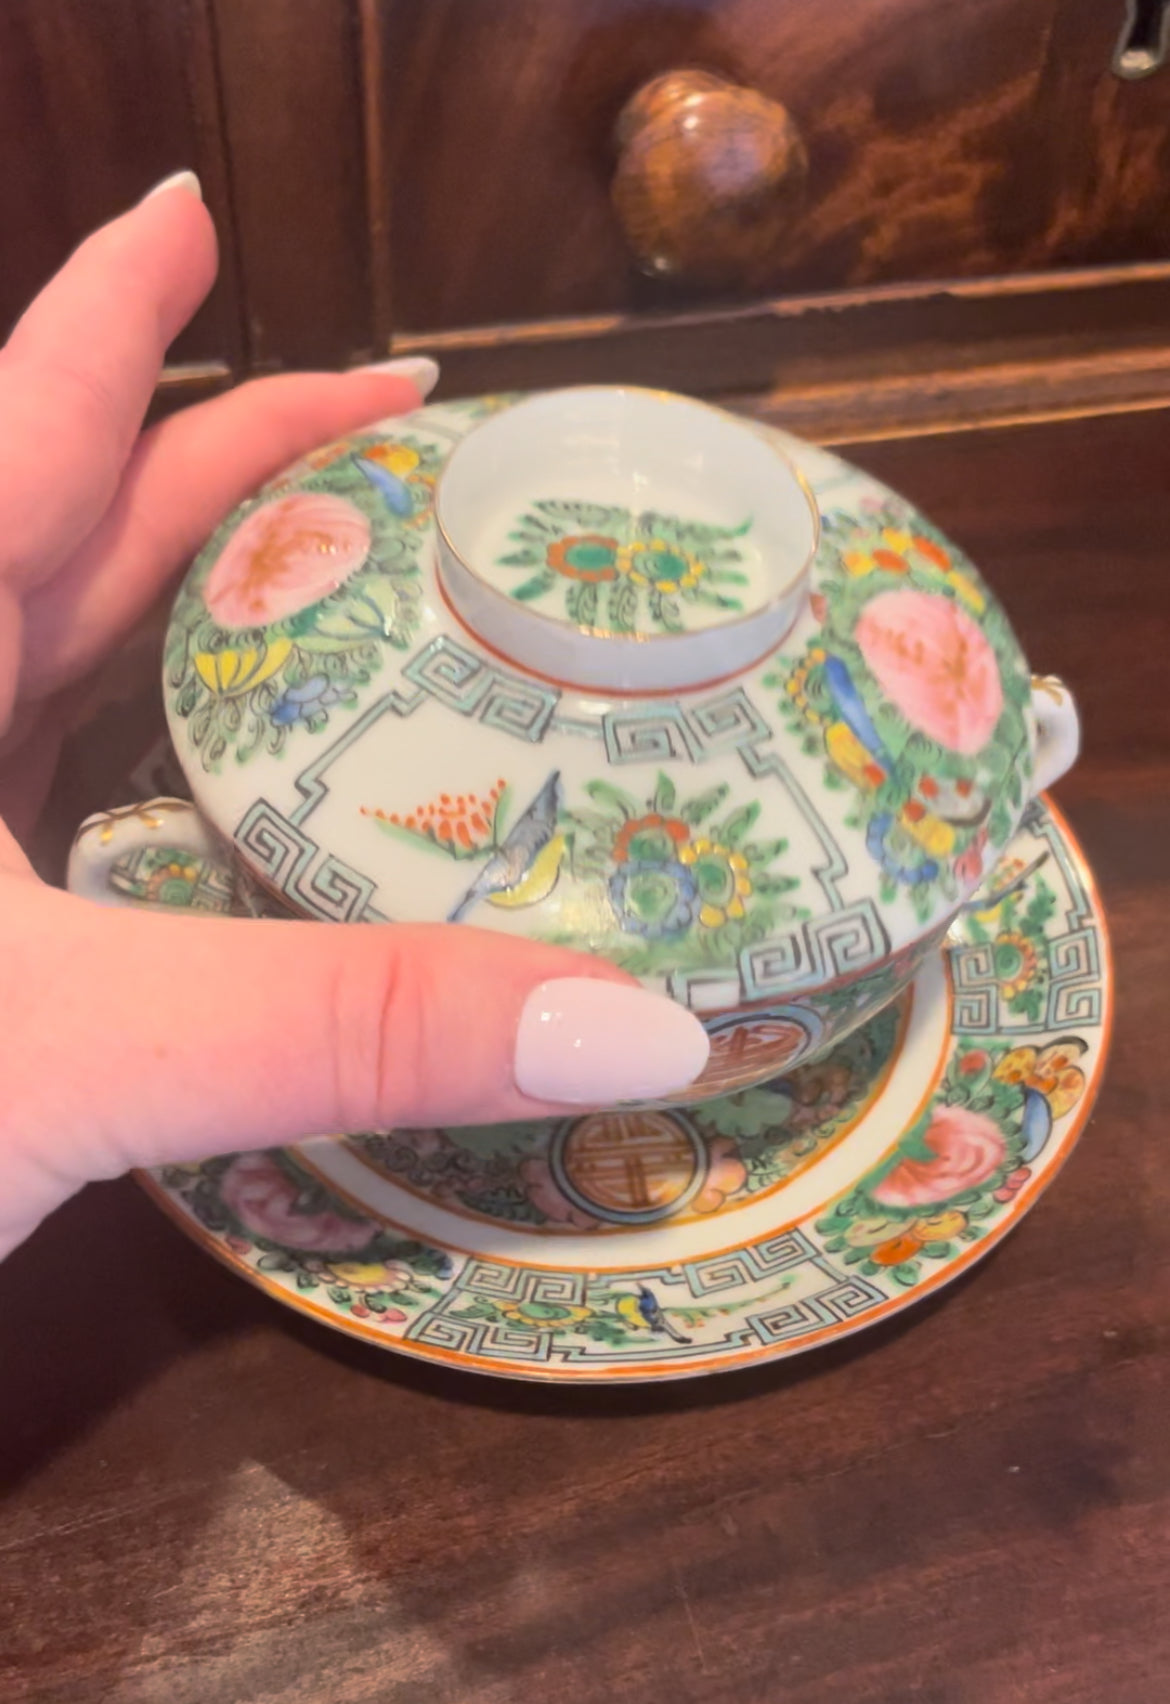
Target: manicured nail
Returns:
[[587, 1042], [422, 372], [177, 180]]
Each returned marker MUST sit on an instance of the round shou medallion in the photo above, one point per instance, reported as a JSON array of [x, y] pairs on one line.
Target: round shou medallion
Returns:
[[505, 1174], [983, 1107], [743, 1050], [629, 1168]]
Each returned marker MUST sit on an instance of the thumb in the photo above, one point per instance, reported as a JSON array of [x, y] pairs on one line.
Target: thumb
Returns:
[[137, 1037]]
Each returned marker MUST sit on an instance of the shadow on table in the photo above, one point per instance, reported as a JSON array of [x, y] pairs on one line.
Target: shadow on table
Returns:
[[106, 1296], [445, 1535], [94, 1308]]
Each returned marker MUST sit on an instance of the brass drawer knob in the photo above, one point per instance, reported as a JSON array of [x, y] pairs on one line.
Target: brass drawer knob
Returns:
[[709, 178]]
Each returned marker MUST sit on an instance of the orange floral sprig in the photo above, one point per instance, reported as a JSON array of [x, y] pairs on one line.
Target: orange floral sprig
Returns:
[[464, 825]]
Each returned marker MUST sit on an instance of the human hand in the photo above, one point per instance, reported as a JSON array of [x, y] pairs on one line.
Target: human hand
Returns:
[[125, 1043]]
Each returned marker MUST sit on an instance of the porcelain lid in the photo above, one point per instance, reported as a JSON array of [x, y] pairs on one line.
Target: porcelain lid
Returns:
[[829, 804], [624, 540]]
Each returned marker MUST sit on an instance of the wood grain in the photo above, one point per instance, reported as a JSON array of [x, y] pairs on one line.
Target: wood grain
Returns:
[[208, 1499], [943, 141], [290, 75], [861, 363], [399, 172], [100, 99]]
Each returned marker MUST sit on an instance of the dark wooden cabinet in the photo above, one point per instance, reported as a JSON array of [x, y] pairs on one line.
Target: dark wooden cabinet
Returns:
[[943, 141], [983, 204], [209, 1499], [98, 100]]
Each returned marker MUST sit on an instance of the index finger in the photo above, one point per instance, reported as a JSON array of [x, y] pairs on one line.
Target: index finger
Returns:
[[79, 370]]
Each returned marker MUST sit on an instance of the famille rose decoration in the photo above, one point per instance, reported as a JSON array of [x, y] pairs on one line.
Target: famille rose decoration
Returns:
[[668, 1242], [615, 670]]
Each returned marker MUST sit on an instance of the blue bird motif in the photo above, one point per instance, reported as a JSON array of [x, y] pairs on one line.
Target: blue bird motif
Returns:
[[396, 491], [524, 867], [645, 1312], [853, 712]]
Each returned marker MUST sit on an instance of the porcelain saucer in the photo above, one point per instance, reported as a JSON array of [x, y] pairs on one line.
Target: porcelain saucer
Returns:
[[668, 1243]]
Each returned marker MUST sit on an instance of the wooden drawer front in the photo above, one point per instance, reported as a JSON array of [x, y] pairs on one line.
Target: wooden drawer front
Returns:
[[943, 140]]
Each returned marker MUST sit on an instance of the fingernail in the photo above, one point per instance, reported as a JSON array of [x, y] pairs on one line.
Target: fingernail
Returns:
[[584, 1041], [422, 372], [177, 180]]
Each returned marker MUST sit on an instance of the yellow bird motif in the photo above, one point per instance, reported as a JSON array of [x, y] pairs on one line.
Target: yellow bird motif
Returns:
[[523, 869], [538, 881]]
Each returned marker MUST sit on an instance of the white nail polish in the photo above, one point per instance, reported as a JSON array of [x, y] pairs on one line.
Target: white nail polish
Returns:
[[422, 372], [587, 1042], [177, 180]]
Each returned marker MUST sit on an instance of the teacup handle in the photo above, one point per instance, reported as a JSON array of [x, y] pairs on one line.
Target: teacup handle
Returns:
[[1058, 731], [107, 840]]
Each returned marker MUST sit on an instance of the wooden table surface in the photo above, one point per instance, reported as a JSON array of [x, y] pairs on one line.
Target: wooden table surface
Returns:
[[209, 1499]]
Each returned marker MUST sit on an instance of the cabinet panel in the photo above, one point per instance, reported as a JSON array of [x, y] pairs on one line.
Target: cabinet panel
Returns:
[[98, 100], [292, 79], [943, 141], [402, 172]]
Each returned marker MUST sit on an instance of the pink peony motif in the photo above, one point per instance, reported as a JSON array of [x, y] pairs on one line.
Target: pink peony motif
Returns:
[[968, 1149], [933, 661], [285, 556], [263, 1198]]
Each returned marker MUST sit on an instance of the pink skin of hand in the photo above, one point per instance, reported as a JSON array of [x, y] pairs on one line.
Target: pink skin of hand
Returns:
[[131, 1038]]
